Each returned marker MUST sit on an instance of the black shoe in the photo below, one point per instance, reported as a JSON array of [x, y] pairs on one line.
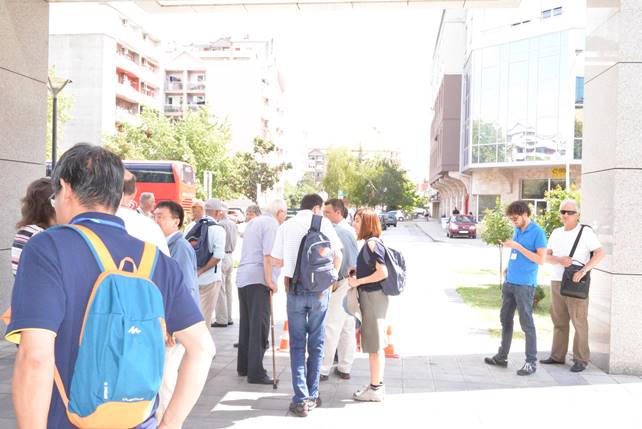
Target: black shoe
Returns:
[[578, 367], [496, 361], [218, 325], [528, 369], [264, 380], [230, 323], [242, 374], [314, 403], [236, 345], [299, 410], [550, 361], [342, 375], [324, 377]]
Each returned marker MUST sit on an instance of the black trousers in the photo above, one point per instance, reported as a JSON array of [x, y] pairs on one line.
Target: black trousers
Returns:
[[254, 327]]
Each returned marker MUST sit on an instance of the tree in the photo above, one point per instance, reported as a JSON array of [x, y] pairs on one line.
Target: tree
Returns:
[[65, 103], [550, 219], [339, 169], [198, 138], [496, 230], [294, 194], [251, 168]]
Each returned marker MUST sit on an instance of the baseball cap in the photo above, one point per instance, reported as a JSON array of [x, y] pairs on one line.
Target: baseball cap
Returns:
[[215, 204]]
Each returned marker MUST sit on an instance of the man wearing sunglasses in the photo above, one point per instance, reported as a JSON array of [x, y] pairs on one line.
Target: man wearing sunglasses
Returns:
[[565, 309], [528, 253]]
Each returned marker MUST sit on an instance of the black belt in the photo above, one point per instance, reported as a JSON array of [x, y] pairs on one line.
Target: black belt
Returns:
[[232, 251]]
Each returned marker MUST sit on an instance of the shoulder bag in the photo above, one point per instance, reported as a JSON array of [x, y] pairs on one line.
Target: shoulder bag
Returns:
[[569, 288]]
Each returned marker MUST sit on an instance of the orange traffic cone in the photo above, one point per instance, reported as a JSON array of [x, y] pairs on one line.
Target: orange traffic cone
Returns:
[[284, 342], [390, 348]]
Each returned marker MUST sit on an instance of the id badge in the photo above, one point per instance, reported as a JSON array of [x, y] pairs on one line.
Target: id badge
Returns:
[[513, 255]]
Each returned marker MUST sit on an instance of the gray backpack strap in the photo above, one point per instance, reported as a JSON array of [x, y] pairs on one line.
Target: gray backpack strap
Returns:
[[316, 223]]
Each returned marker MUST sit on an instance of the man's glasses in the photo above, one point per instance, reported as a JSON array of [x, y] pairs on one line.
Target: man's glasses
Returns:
[[568, 212]]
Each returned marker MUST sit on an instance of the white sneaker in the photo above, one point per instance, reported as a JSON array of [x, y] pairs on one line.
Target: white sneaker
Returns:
[[370, 394]]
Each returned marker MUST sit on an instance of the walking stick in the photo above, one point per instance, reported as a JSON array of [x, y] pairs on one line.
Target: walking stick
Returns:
[[273, 352]]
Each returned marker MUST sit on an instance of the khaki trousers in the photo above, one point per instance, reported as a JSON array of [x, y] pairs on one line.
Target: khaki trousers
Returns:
[[339, 333], [224, 302], [563, 310], [209, 296], [173, 358]]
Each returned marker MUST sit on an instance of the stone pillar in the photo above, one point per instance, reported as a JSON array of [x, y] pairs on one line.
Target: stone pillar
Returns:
[[612, 180], [24, 36]]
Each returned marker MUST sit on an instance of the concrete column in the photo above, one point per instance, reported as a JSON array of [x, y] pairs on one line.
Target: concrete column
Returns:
[[612, 180], [24, 35]]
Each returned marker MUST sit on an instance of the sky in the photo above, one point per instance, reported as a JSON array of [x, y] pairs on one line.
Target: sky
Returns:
[[351, 77]]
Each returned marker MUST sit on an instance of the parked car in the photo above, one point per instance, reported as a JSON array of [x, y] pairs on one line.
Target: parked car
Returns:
[[382, 219], [236, 214], [461, 226], [399, 215], [389, 218]]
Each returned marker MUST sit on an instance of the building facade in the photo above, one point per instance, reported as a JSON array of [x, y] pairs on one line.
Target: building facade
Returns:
[[113, 63], [521, 104]]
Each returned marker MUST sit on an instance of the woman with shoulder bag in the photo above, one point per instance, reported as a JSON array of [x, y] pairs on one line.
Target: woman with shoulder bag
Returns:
[[573, 248], [370, 271]]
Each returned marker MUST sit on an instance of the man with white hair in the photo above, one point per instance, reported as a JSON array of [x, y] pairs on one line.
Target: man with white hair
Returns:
[[588, 253], [147, 204], [256, 280]]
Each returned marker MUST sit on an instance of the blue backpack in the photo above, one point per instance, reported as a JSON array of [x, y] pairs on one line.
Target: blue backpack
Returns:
[[395, 283], [119, 368], [197, 237], [314, 271]]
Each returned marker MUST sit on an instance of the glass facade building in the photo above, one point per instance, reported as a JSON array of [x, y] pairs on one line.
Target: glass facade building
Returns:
[[519, 102]]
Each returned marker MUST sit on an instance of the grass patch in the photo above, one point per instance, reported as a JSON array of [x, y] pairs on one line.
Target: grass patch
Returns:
[[497, 333], [477, 271], [488, 296]]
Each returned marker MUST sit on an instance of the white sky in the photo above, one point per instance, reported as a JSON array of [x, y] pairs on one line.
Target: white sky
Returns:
[[351, 76]]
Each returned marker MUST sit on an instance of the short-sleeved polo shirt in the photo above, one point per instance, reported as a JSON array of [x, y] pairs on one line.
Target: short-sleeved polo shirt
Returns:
[[216, 242], [257, 243], [54, 281], [521, 270]]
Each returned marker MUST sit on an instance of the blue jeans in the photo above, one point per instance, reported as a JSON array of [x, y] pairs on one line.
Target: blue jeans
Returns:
[[306, 318], [520, 298]]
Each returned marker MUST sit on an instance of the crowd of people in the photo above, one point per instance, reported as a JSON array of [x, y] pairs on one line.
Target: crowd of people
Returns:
[[89, 198]]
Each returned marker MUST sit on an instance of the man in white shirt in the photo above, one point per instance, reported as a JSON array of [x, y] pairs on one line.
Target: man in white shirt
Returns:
[[306, 311], [565, 309], [210, 276], [147, 204], [136, 224]]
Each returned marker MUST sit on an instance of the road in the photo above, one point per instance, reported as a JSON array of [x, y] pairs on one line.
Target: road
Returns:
[[439, 381]]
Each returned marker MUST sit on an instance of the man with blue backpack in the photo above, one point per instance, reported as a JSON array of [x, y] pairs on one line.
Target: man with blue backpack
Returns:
[[91, 309], [309, 250]]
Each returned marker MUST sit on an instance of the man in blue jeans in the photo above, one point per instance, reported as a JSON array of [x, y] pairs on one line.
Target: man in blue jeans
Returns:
[[528, 253], [306, 311]]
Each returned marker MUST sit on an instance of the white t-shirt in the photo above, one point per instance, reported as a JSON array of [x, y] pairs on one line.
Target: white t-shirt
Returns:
[[143, 228], [561, 243], [289, 235]]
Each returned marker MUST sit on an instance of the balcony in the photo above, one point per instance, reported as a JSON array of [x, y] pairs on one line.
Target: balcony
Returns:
[[195, 106], [171, 109], [196, 87], [127, 92], [174, 86], [150, 101], [128, 116], [126, 63]]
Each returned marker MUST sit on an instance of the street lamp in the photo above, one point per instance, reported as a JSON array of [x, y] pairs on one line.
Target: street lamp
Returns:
[[55, 85]]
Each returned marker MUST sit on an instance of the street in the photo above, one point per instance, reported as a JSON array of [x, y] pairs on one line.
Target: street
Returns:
[[440, 379]]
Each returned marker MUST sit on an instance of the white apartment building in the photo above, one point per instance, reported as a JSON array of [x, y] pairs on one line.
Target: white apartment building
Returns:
[[113, 62]]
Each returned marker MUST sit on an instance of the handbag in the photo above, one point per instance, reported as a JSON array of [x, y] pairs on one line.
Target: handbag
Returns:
[[570, 288]]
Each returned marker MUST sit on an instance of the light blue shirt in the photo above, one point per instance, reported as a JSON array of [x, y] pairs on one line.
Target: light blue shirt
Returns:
[[521, 270], [348, 238], [258, 240], [183, 253], [216, 241]]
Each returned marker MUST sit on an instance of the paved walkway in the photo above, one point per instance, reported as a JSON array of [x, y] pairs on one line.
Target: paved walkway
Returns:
[[440, 380]]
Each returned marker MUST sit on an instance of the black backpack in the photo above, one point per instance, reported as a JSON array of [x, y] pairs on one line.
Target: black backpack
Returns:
[[197, 237]]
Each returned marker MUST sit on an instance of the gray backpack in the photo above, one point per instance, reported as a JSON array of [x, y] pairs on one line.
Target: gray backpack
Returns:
[[395, 283], [314, 271]]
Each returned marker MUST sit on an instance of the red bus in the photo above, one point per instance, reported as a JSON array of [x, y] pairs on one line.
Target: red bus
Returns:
[[167, 180]]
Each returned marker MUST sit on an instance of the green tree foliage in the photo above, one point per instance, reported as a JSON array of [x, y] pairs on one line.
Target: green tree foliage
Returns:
[[198, 138], [550, 219], [251, 168], [338, 171], [294, 194], [496, 230], [65, 103]]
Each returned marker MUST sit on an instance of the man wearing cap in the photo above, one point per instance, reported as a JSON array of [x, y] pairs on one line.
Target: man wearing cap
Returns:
[[210, 275], [224, 304]]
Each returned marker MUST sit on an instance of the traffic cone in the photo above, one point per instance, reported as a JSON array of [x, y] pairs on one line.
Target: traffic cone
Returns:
[[284, 342], [390, 348]]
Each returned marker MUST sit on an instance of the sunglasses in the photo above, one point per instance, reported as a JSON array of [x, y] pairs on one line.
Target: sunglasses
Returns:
[[568, 212]]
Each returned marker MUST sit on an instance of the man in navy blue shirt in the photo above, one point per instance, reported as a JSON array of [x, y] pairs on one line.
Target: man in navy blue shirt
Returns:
[[54, 282], [528, 253]]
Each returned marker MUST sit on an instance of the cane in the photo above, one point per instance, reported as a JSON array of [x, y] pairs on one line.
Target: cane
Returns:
[[273, 352]]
